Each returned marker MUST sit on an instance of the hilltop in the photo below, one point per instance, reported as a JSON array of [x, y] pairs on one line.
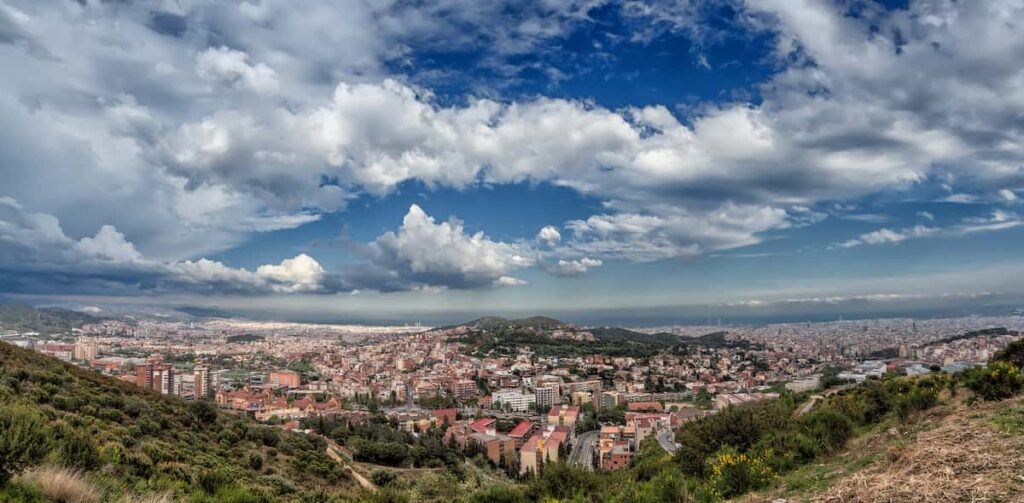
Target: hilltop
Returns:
[[44, 320], [547, 336], [125, 440], [551, 337]]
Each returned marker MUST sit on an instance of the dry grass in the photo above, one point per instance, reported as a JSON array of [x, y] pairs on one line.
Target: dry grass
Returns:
[[62, 485], [151, 498], [965, 458]]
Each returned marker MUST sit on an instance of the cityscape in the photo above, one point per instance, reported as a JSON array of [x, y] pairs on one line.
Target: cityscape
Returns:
[[592, 410], [511, 251]]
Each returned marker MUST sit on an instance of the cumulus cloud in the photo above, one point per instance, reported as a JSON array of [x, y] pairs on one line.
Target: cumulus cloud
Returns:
[[231, 68], [166, 113], [36, 255], [427, 253], [549, 235], [572, 267]]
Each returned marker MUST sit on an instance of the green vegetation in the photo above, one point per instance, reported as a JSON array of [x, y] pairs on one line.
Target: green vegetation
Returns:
[[124, 440], [985, 332], [245, 338], [47, 320], [509, 339], [616, 334], [381, 442]]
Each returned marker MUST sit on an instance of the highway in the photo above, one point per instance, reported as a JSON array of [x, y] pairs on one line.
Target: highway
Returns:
[[582, 453]]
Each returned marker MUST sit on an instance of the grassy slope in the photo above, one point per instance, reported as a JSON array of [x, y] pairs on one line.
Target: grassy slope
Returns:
[[954, 452], [129, 440]]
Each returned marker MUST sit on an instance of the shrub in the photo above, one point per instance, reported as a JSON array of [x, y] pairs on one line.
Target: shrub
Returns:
[[498, 494], [23, 438], [255, 461], [997, 381], [382, 477], [733, 473], [1012, 354], [828, 429], [75, 447]]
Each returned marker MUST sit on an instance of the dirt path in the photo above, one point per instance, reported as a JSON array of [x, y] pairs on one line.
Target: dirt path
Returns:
[[332, 451]]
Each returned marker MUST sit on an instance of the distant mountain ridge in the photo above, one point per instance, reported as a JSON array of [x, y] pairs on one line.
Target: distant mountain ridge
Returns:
[[45, 320]]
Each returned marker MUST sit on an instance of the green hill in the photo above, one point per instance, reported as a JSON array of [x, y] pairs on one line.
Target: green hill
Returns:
[[124, 440], [616, 334], [45, 320], [533, 323]]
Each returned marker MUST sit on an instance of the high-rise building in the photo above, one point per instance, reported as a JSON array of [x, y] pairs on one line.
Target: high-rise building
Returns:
[[157, 376], [545, 396], [203, 381], [163, 379], [85, 351]]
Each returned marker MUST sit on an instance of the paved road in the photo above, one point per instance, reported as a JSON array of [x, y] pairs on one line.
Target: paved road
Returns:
[[667, 440], [582, 453]]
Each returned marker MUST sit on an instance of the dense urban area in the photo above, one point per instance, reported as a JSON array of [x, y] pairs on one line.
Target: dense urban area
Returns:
[[520, 393]]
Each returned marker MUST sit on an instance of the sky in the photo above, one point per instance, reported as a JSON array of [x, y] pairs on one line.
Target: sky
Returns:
[[407, 160]]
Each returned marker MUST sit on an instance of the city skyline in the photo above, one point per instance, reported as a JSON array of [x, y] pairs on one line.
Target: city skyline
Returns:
[[618, 162]]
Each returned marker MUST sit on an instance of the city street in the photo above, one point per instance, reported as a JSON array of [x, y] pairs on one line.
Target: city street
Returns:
[[667, 440], [582, 453]]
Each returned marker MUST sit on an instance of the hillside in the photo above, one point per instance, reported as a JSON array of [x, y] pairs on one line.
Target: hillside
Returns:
[[44, 320], [956, 452], [129, 441], [533, 323]]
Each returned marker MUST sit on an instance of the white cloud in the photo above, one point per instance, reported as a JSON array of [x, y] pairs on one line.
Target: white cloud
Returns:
[[231, 68], [1008, 195], [572, 267], [35, 253], [998, 220], [109, 244], [425, 253], [549, 235], [886, 235], [165, 148]]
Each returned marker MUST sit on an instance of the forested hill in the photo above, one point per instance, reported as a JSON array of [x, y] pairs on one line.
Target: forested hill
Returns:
[[129, 441], [44, 320]]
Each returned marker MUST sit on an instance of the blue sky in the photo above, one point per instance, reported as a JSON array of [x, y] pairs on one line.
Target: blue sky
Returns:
[[403, 161]]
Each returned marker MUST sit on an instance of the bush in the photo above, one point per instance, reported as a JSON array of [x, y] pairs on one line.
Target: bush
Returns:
[[998, 381], [828, 429], [23, 440], [733, 473], [75, 447], [255, 461], [382, 477], [1012, 354]]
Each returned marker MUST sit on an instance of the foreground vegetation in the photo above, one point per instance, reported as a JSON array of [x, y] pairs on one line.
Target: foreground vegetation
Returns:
[[125, 443]]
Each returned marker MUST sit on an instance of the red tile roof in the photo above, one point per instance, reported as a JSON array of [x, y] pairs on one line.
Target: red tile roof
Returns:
[[481, 425], [521, 429]]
